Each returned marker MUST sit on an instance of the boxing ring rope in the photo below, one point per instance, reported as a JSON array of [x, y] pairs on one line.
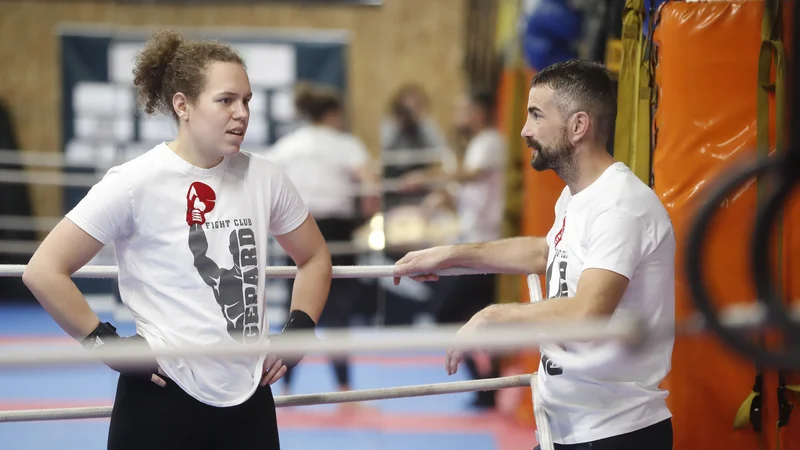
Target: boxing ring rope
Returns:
[[98, 271], [336, 248], [626, 330], [421, 390], [42, 168], [57, 159], [28, 223], [344, 343], [626, 333], [52, 178]]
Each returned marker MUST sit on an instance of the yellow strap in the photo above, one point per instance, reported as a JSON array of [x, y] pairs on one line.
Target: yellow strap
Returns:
[[742, 418], [771, 51], [628, 113]]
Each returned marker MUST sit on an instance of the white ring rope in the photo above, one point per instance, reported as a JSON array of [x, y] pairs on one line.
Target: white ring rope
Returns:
[[96, 412], [28, 223], [98, 271], [19, 247], [336, 248], [622, 327], [493, 339], [48, 178], [624, 330], [78, 180], [58, 159]]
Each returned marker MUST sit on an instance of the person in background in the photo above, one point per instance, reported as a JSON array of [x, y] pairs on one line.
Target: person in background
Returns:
[[479, 202], [411, 140], [409, 129], [331, 169]]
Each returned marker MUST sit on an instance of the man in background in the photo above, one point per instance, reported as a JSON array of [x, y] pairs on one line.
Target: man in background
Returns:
[[477, 194]]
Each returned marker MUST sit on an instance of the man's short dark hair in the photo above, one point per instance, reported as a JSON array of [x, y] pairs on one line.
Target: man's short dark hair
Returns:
[[582, 86], [484, 99]]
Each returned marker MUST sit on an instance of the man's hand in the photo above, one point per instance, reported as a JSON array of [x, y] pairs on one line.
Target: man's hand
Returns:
[[422, 264], [454, 357]]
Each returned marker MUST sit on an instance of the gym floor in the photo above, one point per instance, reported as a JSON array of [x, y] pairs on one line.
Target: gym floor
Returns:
[[437, 422]]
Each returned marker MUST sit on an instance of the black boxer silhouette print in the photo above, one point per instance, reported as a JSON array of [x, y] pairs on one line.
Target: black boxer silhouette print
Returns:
[[235, 289]]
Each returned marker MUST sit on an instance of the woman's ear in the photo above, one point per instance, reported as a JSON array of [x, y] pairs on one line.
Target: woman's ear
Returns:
[[180, 104]]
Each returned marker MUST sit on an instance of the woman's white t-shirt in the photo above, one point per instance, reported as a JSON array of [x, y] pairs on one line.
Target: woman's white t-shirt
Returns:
[[191, 248]]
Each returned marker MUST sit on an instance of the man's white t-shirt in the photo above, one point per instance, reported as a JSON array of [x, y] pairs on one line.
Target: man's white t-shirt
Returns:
[[322, 162], [191, 247], [481, 201], [616, 224]]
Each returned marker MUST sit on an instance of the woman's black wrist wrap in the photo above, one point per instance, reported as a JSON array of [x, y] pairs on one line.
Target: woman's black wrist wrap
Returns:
[[101, 335], [298, 321], [105, 333]]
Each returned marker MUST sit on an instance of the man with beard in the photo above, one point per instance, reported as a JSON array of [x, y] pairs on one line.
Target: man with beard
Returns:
[[479, 202], [611, 251]]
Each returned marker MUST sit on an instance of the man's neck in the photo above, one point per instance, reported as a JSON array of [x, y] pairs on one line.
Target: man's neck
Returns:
[[589, 165]]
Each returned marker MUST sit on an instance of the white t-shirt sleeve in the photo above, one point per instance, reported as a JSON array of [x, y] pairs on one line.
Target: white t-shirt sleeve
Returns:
[[106, 212], [615, 242], [488, 152], [287, 211], [357, 156]]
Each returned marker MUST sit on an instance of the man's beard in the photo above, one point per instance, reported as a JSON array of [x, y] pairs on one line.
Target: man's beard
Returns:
[[558, 157]]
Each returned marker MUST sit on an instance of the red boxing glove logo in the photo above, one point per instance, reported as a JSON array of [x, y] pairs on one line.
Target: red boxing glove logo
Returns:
[[199, 202]]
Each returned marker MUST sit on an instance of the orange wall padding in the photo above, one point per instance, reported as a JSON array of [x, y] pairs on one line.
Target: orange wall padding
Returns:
[[705, 120], [790, 436]]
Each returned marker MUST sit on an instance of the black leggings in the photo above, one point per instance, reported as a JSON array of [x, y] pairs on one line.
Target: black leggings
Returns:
[[148, 417], [655, 437]]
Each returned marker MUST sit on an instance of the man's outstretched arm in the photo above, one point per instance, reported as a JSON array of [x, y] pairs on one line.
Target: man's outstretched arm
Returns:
[[519, 255]]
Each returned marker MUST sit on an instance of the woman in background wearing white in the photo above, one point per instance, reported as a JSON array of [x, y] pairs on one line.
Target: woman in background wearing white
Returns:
[[329, 168]]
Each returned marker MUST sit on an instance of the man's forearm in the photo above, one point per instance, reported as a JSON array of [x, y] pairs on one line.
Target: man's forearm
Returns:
[[312, 284], [552, 310], [519, 255], [59, 296]]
